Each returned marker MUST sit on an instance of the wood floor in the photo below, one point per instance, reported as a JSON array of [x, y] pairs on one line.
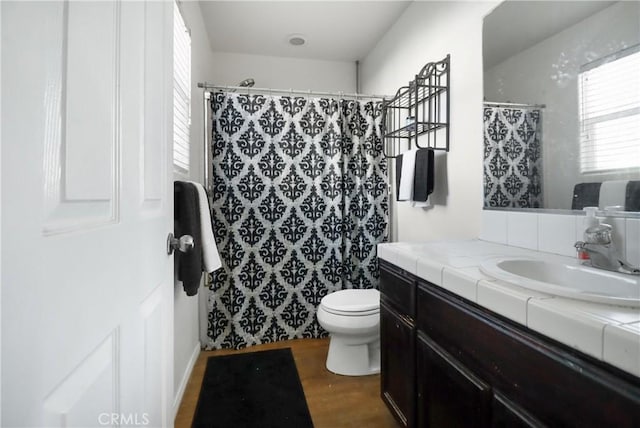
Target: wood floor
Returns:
[[334, 401]]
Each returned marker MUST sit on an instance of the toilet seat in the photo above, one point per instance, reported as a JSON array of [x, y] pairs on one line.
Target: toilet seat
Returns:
[[351, 313], [352, 302]]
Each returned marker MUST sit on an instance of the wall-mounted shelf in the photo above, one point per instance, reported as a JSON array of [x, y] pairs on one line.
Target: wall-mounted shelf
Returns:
[[420, 109]]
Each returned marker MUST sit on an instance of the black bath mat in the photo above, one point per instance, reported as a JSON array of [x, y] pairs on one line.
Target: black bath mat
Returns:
[[258, 389]]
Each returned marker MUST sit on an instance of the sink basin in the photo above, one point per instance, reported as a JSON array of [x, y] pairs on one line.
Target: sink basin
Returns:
[[567, 280]]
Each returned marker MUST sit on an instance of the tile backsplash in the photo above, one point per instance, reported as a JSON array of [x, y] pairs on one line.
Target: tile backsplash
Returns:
[[555, 233]]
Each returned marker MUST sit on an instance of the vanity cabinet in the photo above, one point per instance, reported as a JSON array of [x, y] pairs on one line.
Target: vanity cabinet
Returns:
[[474, 368], [397, 342], [513, 375]]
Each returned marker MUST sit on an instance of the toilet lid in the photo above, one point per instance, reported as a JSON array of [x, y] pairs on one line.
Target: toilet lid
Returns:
[[352, 302]]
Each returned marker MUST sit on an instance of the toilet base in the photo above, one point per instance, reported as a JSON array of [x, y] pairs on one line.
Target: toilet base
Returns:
[[351, 357]]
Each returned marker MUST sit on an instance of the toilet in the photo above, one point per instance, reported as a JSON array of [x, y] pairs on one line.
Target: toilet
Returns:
[[352, 318]]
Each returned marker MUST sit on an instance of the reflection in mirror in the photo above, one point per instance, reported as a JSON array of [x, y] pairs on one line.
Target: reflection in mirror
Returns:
[[562, 105]]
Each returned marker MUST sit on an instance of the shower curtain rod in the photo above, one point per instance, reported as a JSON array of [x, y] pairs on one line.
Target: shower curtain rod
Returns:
[[210, 86], [490, 103]]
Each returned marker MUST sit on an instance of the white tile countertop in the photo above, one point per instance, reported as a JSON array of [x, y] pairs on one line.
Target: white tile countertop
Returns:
[[608, 333]]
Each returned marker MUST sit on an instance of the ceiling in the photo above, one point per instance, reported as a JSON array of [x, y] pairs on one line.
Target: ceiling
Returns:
[[517, 25], [334, 30]]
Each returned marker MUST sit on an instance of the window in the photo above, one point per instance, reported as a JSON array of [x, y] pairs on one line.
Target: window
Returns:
[[609, 92], [181, 92]]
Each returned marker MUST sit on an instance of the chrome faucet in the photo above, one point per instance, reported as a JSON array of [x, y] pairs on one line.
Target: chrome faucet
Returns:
[[602, 252]]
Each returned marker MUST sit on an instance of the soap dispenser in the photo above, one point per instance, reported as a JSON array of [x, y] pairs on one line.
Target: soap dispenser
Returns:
[[589, 221]]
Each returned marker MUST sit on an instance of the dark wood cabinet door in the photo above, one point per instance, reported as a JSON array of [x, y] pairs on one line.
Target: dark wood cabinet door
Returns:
[[449, 395], [506, 414], [397, 359]]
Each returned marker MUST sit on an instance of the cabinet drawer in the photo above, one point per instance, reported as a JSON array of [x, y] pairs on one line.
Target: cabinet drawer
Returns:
[[398, 288]]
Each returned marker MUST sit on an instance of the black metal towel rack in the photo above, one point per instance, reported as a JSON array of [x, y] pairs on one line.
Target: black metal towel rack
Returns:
[[419, 109]]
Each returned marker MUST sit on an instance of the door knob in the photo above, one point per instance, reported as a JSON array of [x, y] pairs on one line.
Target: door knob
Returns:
[[184, 244]]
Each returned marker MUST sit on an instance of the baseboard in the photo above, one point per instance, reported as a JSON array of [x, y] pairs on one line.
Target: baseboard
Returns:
[[185, 379]]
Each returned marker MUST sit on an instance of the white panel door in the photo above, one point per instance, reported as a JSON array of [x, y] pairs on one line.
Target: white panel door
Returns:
[[87, 285]]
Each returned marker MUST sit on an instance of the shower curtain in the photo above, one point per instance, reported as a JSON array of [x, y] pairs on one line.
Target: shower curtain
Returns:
[[299, 204], [512, 157]]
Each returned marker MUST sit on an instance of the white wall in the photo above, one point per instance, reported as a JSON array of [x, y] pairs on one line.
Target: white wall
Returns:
[[283, 73], [428, 31], [186, 322], [547, 74]]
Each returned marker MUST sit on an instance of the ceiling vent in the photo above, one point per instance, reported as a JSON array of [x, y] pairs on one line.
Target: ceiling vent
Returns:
[[297, 40]]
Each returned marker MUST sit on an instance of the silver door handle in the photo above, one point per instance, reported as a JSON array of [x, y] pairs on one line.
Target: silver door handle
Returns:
[[184, 244]]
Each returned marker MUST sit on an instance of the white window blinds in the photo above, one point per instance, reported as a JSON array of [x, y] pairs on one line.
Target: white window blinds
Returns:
[[181, 92], [609, 92]]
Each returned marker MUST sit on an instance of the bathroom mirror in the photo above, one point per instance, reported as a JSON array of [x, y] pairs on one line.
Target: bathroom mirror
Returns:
[[562, 104]]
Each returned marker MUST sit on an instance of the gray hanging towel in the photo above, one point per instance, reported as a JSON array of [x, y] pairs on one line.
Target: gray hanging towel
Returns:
[[423, 180], [398, 176], [585, 195], [632, 197], [186, 221]]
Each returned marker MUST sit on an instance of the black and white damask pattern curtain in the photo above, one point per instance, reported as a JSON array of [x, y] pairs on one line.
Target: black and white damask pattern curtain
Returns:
[[299, 205], [512, 157]]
